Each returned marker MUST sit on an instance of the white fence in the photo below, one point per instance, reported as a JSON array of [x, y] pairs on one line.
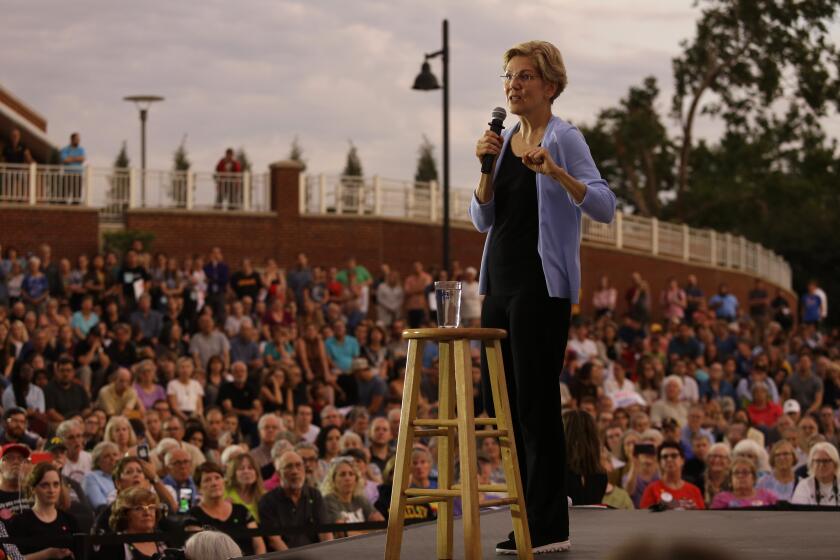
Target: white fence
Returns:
[[376, 196], [115, 190]]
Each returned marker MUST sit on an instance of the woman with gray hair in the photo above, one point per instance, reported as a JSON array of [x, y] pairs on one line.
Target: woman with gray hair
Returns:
[[530, 202], [211, 545], [749, 449], [98, 484], [671, 404], [822, 487]]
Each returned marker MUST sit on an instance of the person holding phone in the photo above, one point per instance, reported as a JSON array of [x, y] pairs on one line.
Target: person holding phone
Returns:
[[643, 470]]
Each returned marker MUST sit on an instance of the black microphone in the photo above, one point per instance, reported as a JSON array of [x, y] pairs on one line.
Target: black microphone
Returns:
[[497, 117]]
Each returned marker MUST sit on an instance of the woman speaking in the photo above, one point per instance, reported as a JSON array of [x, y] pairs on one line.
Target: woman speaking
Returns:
[[530, 207]]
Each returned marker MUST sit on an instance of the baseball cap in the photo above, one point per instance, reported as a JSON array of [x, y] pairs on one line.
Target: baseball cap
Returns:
[[55, 444], [13, 410], [790, 406], [15, 447], [359, 364]]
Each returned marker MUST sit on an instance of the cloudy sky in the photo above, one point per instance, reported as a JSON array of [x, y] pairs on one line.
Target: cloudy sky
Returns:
[[257, 73]]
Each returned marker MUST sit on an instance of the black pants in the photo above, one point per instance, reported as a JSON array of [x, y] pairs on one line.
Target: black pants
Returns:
[[533, 352]]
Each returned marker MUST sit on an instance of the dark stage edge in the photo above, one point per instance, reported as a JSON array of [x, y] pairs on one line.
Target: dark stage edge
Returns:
[[750, 535]]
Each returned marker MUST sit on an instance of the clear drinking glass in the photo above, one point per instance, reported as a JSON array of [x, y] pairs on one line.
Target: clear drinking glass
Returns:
[[448, 298]]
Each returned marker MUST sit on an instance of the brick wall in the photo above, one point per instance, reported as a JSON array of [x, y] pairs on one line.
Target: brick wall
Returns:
[[329, 240], [69, 230]]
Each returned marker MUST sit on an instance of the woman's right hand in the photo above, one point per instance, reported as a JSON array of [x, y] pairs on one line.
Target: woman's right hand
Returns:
[[489, 143]]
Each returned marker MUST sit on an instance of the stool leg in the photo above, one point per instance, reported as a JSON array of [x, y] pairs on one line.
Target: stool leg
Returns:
[[510, 461], [467, 451], [405, 440], [446, 409]]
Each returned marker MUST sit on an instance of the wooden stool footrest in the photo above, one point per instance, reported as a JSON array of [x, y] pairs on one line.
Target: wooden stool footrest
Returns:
[[491, 433], [499, 502], [451, 422], [486, 487], [431, 433], [427, 499], [434, 492]]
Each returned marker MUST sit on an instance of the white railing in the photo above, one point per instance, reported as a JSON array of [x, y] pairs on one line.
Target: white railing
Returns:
[[113, 191], [375, 196]]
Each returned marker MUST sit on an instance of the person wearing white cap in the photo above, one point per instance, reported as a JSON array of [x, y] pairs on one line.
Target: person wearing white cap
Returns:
[[792, 409]]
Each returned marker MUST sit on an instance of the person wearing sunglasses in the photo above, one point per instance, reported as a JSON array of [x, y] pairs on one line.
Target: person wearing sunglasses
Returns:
[[743, 475], [671, 491], [822, 487]]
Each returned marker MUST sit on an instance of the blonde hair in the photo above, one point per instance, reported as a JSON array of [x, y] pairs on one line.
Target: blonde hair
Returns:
[[548, 60], [328, 486], [113, 423]]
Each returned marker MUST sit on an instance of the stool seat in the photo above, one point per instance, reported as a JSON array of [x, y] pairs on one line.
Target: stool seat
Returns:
[[454, 334], [457, 429]]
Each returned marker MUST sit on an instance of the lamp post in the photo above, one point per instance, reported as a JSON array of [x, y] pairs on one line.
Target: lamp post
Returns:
[[427, 81], [143, 102]]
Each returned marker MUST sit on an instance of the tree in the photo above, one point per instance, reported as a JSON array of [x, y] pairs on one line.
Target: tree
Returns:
[[749, 55], [296, 152], [353, 167], [426, 165], [243, 160], [180, 159], [633, 150], [122, 161]]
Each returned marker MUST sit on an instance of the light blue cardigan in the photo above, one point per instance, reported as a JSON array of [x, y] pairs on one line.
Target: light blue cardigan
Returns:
[[559, 215]]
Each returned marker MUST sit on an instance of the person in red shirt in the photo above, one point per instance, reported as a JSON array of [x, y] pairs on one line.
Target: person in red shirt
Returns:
[[228, 186], [671, 491], [763, 411]]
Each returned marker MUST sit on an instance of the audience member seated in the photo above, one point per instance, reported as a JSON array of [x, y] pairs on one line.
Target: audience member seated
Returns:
[[344, 495], [214, 510], [99, 483], [586, 481], [243, 483], [820, 488], [671, 491], [782, 480], [44, 519], [136, 511], [743, 477]]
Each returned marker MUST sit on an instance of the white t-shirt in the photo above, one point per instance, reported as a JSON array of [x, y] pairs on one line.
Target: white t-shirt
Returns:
[[311, 434], [585, 349], [185, 395], [77, 470], [804, 493]]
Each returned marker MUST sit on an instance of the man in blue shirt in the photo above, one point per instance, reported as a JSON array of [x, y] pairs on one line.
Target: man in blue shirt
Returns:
[[811, 305], [342, 348], [72, 158], [724, 304]]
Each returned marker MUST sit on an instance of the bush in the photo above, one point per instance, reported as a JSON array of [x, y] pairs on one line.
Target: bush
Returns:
[[120, 241]]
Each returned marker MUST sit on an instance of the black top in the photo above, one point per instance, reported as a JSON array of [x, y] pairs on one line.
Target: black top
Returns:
[[240, 398], [513, 263], [27, 524], [277, 511], [588, 492], [239, 518]]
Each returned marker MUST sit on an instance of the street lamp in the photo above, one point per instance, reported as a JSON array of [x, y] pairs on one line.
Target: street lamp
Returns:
[[143, 102], [427, 81]]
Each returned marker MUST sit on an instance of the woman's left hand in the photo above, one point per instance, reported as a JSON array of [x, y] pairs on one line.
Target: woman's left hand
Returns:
[[539, 160]]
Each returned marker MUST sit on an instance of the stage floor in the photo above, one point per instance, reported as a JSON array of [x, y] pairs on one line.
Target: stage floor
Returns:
[[749, 535]]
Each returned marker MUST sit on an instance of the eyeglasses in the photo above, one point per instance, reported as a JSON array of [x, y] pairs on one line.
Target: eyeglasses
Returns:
[[783, 454], [181, 463], [523, 77], [666, 456], [741, 473], [823, 462], [290, 466], [14, 458]]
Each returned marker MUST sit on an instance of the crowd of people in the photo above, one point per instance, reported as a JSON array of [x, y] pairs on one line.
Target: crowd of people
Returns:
[[143, 392]]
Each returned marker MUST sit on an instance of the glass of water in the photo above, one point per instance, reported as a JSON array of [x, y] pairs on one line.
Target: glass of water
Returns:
[[448, 299]]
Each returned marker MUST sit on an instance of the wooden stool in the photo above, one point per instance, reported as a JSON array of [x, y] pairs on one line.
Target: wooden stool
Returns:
[[456, 393]]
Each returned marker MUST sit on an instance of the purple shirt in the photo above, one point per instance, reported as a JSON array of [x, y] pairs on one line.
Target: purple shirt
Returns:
[[559, 215], [149, 399], [727, 500]]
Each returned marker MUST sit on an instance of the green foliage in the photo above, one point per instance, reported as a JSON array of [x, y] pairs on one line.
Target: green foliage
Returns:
[[120, 241], [180, 159], [353, 167], [296, 152], [243, 160], [426, 165], [122, 161]]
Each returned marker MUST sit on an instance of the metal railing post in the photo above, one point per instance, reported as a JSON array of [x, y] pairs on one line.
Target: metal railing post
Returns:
[[743, 252], [654, 236], [33, 184], [246, 191], [713, 248], [433, 201], [686, 231], [377, 196], [132, 187], [619, 230], [88, 186], [301, 194], [728, 252], [188, 203]]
